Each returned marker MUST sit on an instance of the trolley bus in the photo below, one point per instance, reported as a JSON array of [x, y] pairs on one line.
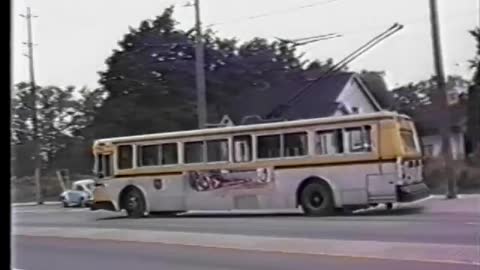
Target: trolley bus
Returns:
[[320, 165]]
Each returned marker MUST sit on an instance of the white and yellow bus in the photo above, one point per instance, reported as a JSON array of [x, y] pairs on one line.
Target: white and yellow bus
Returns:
[[321, 165]]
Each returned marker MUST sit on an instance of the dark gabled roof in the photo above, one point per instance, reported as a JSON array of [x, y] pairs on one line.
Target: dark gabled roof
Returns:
[[320, 99], [317, 101]]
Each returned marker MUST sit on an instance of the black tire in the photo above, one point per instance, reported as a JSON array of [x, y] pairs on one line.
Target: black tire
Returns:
[[65, 204], [81, 203], [134, 203], [316, 199], [389, 206]]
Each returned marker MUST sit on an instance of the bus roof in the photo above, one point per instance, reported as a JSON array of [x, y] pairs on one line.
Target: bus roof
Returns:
[[247, 128]]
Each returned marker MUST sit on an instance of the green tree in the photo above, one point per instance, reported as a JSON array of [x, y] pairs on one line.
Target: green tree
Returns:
[[473, 107], [150, 79], [413, 97], [61, 113]]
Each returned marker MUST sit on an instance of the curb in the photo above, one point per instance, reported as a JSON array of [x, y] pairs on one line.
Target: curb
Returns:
[[34, 204], [455, 254]]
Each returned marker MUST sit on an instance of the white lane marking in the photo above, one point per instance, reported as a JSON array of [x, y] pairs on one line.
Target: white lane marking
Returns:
[[16, 269], [473, 223]]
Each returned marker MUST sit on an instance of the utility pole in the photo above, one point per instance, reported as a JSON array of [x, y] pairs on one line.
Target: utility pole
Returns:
[[199, 70], [33, 106], [440, 102]]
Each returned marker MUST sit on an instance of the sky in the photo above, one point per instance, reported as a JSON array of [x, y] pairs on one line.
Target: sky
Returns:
[[74, 38]]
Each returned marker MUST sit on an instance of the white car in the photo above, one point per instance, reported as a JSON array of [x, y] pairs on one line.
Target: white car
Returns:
[[80, 195]]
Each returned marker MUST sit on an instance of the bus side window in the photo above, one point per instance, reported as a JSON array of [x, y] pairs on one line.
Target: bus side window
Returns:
[[193, 152], [268, 146], [242, 146], [108, 166], [148, 155], [217, 150], [169, 154], [295, 144], [359, 139], [99, 165], [329, 142], [125, 157]]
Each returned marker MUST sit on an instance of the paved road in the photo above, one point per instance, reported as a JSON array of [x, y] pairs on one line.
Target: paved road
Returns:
[[41, 253], [414, 224]]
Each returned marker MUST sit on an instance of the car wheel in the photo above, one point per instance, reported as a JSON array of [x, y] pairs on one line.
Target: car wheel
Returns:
[[134, 203], [389, 206], [65, 204], [81, 202], [316, 199]]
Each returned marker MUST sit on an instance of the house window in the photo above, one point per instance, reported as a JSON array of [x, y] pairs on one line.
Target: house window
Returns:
[[359, 139], [125, 157], [329, 142], [295, 144], [428, 150], [355, 110]]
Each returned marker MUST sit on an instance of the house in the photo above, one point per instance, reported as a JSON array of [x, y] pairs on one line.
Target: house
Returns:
[[337, 94], [427, 122]]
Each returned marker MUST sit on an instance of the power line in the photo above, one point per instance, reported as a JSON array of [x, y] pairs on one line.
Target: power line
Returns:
[[267, 14], [375, 27], [279, 109]]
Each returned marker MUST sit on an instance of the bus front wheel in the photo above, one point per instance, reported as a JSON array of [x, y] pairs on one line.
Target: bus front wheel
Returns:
[[134, 203], [316, 199]]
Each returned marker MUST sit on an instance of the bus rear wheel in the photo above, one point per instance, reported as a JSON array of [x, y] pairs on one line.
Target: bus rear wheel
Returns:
[[134, 203], [316, 199]]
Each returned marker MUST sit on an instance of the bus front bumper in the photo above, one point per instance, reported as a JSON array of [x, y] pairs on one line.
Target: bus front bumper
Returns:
[[412, 192]]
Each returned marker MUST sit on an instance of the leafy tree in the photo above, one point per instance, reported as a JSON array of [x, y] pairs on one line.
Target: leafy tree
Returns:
[[61, 114], [151, 78], [473, 107], [414, 96]]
